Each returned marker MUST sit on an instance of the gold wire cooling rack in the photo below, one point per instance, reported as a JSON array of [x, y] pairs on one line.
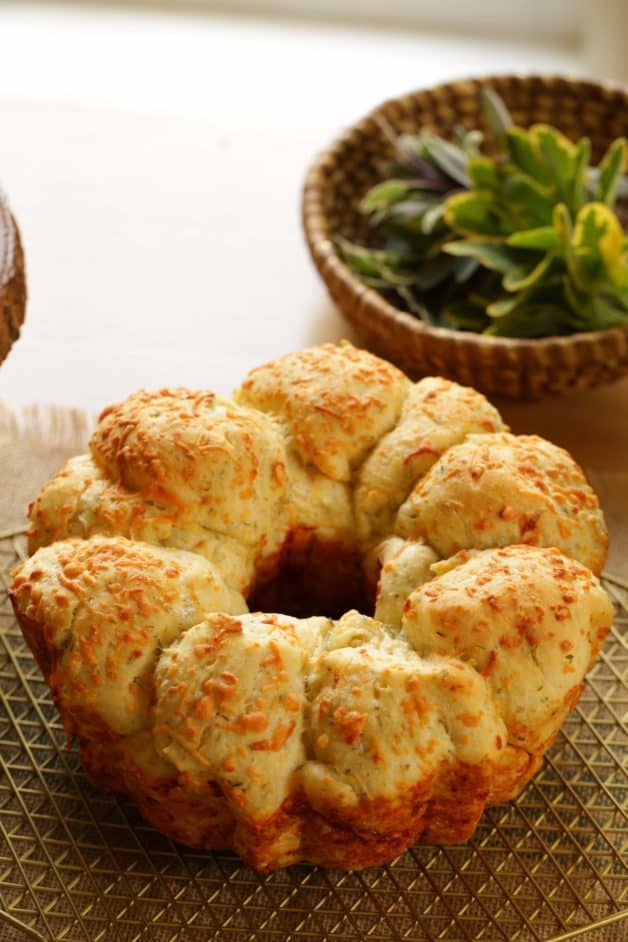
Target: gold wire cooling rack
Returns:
[[81, 866]]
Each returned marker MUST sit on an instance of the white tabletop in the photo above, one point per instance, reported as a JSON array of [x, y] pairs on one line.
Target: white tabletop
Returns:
[[155, 162]]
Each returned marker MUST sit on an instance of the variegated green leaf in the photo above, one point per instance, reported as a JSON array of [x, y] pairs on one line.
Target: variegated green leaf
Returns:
[[410, 213], [524, 153], [373, 263], [610, 170], [503, 306], [526, 276], [533, 320], [494, 255], [432, 218], [560, 156], [579, 182], [563, 227], [485, 173], [595, 311], [497, 116], [384, 195], [469, 141], [448, 158], [544, 239], [525, 203], [471, 214], [598, 247]]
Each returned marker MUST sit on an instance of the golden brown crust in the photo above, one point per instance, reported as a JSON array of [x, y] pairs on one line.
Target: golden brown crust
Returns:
[[435, 415], [199, 455], [456, 808], [531, 621], [332, 844], [512, 775], [97, 612], [289, 738], [81, 501], [269, 724], [500, 490], [335, 402]]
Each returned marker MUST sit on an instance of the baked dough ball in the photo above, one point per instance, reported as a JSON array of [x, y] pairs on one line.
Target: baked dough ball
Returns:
[[335, 403], [496, 490], [402, 567], [97, 612], [529, 620], [81, 501], [317, 504], [435, 415], [385, 725], [230, 703], [209, 460]]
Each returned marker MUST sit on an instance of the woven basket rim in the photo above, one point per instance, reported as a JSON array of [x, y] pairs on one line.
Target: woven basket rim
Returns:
[[319, 238]]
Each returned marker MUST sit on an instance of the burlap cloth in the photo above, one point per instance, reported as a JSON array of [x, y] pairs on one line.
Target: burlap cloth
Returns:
[[594, 427]]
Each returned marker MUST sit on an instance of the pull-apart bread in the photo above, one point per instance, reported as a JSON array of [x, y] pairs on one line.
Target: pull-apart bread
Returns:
[[330, 482]]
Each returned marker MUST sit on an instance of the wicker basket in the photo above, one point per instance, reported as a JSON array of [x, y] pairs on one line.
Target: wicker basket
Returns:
[[520, 369], [13, 290]]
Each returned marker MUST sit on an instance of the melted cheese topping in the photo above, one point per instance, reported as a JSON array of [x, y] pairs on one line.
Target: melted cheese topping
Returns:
[[402, 567], [435, 415], [344, 740], [335, 403], [230, 697], [498, 490], [106, 608], [208, 460], [529, 620]]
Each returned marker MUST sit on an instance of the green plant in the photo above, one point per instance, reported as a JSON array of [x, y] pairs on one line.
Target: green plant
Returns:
[[524, 244]]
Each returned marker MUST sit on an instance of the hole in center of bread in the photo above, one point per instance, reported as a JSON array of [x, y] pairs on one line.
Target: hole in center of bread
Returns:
[[310, 576]]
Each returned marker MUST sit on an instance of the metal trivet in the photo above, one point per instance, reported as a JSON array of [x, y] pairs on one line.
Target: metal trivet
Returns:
[[82, 866]]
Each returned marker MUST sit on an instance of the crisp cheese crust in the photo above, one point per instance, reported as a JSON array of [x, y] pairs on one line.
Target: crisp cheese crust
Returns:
[[435, 415], [496, 490], [335, 403]]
